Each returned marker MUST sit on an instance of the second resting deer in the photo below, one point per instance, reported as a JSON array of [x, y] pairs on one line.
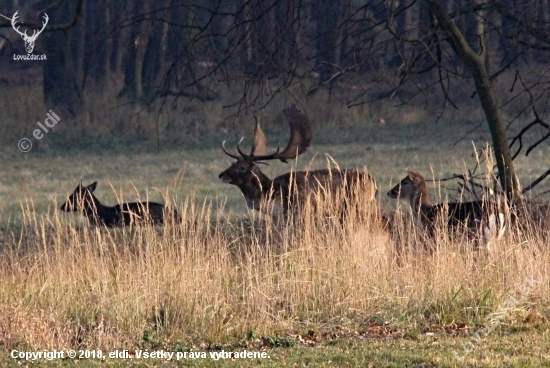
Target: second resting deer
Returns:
[[285, 193], [479, 217], [83, 200]]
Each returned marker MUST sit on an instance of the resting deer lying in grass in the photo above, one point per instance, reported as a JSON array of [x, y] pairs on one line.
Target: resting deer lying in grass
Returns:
[[125, 214], [474, 215], [284, 193]]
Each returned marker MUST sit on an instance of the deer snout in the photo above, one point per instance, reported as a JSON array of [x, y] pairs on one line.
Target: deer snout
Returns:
[[395, 192], [224, 177]]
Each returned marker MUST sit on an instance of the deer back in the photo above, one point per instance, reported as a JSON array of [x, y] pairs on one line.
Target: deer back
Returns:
[[329, 188], [144, 212]]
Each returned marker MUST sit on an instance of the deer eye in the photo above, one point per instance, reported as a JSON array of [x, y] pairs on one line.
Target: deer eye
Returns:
[[242, 169]]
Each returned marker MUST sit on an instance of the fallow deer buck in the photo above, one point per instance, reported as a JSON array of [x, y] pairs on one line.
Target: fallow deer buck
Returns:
[[289, 191], [125, 214], [476, 216]]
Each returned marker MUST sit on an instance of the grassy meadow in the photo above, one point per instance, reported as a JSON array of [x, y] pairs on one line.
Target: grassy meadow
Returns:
[[309, 292]]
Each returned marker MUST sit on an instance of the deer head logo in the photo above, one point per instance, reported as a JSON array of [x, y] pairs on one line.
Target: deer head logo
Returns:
[[29, 40]]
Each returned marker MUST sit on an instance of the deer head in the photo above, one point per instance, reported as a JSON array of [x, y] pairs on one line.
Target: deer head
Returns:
[[245, 168], [411, 187], [29, 40], [81, 198]]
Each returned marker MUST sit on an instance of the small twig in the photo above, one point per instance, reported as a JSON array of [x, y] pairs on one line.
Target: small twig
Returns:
[[535, 182]]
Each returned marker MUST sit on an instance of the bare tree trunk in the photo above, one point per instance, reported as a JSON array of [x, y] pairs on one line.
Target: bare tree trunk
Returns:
[[480, 17], [133, 64], [108, 41], [411, 21], [97, 43], [245, 33], [115, 58], [164, 40], [344, 56], [177, 50], [62, 87], [494, 53], [326, 17], [475, 64], [153, 54]]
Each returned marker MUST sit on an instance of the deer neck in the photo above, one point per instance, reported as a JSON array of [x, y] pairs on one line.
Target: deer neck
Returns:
[[93, 209], [420, 201], [256, 190]]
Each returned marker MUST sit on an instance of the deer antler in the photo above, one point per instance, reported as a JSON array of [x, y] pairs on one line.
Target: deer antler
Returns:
[[300, 138], [300, 134], [229, 153], [259, 147]]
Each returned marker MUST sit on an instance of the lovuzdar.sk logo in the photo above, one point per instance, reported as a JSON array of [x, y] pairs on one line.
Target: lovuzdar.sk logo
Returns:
[[29, 40]]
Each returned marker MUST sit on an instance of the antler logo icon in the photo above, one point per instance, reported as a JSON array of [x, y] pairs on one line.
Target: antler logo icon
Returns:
[[29, 40]]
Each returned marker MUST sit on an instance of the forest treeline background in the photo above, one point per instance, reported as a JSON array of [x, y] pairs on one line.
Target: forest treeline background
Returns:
[[178, 72]]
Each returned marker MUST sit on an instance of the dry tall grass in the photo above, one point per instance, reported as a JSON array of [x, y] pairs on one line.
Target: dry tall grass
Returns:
[[215, 280]]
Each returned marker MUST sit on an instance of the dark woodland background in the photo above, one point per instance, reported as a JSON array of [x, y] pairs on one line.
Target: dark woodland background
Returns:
[[178, 72]]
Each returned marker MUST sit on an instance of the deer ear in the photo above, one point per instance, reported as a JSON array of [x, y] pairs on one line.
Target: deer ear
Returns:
[[92, 186], [255, 169], [414, 176]]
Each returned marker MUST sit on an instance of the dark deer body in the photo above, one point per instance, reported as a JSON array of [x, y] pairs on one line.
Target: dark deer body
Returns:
[[286, 192], [125, 214], [474, 215], [276, 197]]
